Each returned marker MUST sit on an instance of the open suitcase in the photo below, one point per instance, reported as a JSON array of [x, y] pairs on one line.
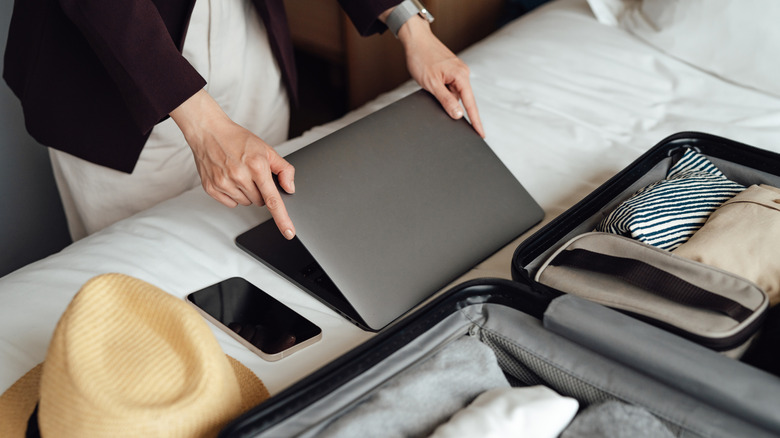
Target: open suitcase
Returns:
[[542, 336]]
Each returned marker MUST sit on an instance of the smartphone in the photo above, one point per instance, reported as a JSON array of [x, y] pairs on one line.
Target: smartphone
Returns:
[[257, 320]]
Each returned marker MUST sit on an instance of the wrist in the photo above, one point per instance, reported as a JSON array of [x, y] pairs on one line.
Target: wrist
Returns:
[[413, 30], [396, 17], [196, 113]]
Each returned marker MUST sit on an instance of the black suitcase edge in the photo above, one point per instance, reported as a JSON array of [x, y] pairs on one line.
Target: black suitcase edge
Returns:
[[322, 382]]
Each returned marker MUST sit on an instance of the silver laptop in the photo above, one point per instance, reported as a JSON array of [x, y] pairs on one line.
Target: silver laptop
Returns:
[[392, 208]]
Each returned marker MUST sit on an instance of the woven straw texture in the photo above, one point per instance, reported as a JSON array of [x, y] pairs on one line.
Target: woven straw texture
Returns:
[[127, 359]]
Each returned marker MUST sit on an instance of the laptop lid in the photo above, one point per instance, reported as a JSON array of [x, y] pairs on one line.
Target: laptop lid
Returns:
[[394, 207]]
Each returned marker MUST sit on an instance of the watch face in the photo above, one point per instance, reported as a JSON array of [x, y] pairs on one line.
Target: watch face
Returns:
[[423, 11]]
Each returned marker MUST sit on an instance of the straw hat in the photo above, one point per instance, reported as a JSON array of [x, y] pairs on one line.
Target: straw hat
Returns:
[[127, 359]]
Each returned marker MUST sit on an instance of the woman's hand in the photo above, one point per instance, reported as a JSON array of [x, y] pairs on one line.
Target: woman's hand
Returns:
[[235, 166], [438, 70]]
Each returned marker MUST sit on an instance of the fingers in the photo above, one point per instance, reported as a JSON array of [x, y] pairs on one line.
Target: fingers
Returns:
[[448, 99], [235, 166], [224, 191], [222, 198], [274, 204], [260, 189], [451, 97], [258, 186], [285, 173], [283, 170], [439, 71], [449, 81], [246, 178], [467, 97], [231, 187]]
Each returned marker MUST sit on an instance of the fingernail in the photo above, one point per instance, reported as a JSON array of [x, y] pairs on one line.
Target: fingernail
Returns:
[[458, 113], [288, 234], [292, 186]]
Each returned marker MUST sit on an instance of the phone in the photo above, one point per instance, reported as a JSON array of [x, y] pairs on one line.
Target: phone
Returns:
[[257, 320]]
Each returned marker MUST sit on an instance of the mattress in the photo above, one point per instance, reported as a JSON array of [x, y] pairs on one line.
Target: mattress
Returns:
[[566, 102]]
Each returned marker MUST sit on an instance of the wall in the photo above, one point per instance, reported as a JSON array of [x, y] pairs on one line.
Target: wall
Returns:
[[376, 64], [32, 223]]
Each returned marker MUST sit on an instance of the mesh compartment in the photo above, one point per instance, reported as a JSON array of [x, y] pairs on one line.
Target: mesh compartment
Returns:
[[526, 369]]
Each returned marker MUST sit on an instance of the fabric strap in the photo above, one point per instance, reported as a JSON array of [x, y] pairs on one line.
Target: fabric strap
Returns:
[[653, 280]]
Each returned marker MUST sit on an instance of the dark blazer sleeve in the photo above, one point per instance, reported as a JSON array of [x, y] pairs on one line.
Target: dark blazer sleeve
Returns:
[[94, 76], [364, 13], [133, 44]]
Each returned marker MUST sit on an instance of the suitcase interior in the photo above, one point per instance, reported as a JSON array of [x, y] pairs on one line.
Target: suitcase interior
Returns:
[[739, 162], [744, 164], [504, 315]]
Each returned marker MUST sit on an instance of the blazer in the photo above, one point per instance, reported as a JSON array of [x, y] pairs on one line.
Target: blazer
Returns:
[[95, 76]]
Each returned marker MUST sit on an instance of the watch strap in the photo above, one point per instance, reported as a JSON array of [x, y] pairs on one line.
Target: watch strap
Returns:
[[400, 15]]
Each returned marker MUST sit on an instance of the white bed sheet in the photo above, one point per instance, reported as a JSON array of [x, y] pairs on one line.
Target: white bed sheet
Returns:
[[566, 103]]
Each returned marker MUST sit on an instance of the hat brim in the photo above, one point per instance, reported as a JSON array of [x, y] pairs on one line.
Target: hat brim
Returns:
[[18, 402], [253, 391]]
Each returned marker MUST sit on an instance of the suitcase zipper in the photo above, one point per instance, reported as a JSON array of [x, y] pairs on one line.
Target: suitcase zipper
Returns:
[[474, 331]]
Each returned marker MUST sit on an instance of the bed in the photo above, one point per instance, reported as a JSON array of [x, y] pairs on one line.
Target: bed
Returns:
[[566, 101]]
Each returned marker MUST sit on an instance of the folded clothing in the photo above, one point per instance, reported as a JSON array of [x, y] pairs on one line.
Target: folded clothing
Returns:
[[741, 237], [666, 213], [535, 411], [417, 400], [616, 420]]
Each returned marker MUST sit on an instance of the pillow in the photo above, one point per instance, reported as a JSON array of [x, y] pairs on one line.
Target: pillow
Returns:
[[735, 40], [665, 214]]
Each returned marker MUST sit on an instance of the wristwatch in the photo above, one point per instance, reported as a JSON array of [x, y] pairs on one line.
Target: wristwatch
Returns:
[[403, 12]]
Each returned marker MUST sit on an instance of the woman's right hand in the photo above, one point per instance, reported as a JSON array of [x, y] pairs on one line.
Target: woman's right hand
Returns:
[[235, 166]]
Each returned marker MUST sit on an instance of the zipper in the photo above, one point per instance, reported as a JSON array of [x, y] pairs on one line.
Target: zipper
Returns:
[[475, 331]]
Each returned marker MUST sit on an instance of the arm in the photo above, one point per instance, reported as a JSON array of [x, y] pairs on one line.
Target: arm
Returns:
[[429, 61], [134, 43], [437, 69]]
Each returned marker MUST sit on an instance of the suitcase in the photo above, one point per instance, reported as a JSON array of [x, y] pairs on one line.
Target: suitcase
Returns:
[[741, 163], [541, 336]]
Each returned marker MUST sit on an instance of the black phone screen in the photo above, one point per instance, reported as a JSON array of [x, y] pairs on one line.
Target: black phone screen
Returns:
[[254, 315]]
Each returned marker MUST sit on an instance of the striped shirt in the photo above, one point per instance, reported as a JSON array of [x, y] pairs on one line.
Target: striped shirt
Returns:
[[665, 214]]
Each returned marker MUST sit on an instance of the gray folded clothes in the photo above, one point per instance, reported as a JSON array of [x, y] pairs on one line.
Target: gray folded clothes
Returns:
[[417, 400], [616, 420]]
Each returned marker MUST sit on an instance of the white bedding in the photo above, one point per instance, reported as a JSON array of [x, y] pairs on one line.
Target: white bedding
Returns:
[[566, 103]]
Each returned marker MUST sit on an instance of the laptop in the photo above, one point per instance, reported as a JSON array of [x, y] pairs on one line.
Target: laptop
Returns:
[[392, 208]]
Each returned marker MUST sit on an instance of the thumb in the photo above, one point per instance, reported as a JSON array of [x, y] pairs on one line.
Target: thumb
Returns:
[[284, 171], [448, 100]]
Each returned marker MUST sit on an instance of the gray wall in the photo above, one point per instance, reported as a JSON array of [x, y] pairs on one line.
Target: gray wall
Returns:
[[32, 223]]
